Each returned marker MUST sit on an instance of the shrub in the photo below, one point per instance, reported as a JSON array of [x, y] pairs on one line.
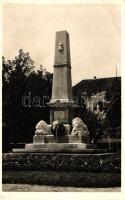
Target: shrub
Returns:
[[76, 179], [92, 163]]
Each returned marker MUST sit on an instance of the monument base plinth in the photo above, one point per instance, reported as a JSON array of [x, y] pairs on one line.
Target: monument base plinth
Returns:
[[62, 139], [64, 144]]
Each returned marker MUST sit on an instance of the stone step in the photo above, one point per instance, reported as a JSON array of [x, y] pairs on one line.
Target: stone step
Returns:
[[61, 150], [60, 145]]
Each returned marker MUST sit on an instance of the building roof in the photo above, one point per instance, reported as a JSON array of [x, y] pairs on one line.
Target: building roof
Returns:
[[93, 86]]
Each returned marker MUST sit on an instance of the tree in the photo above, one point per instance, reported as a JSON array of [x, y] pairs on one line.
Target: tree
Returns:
[[19, 78], [113, 96], [88, 117]]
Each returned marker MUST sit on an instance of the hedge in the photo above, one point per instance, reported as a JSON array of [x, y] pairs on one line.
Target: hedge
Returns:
[[77, 179], [92, 163]]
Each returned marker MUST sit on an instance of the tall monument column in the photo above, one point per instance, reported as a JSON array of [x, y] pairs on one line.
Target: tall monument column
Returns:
[[61, 105], [61, 101]]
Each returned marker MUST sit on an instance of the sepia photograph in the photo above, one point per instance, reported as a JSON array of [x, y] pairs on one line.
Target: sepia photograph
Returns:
[[61, 97]]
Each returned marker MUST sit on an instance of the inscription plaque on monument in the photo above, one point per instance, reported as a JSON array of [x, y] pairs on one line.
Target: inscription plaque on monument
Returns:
[[59, 113]]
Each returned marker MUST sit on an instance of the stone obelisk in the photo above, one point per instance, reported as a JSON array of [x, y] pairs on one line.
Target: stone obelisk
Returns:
[[61, 101]]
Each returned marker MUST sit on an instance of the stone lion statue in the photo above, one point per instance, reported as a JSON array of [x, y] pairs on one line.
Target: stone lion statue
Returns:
[[79, 128], [41, 128]]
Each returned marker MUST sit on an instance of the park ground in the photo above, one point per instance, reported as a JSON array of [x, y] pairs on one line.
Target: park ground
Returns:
[[44, 188]]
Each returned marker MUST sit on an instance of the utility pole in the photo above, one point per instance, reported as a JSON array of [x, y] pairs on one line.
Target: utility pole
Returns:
[[116, 70]]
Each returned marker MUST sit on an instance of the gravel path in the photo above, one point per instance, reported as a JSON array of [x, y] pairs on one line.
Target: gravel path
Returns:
[[43, 188]]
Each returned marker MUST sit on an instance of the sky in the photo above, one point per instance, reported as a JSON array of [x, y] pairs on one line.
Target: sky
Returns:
[[95, 36]]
